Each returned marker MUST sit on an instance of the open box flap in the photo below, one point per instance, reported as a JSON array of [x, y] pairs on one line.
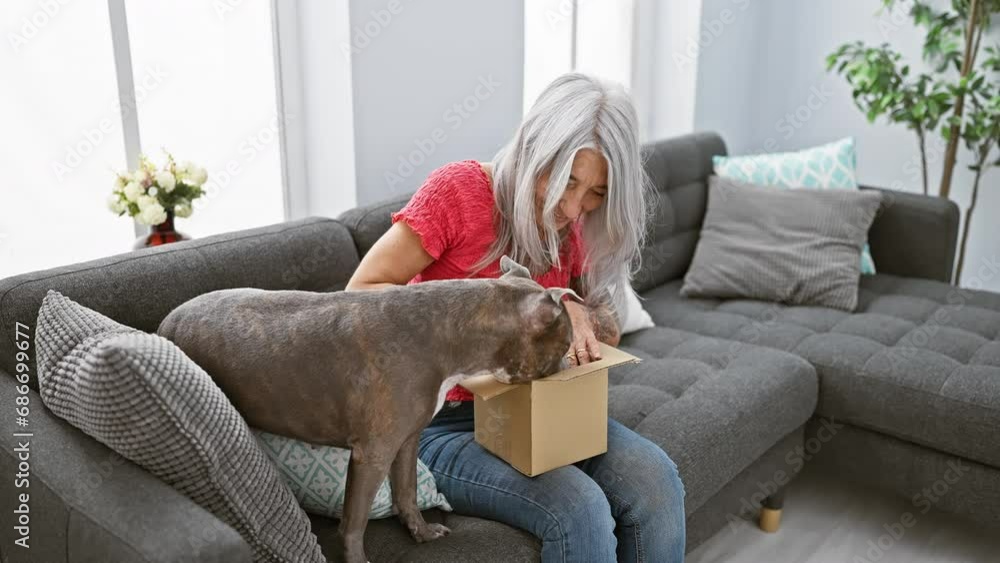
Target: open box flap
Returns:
[[487, 387]]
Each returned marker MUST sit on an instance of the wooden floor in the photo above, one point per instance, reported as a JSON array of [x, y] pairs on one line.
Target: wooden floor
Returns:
[[826, 521]]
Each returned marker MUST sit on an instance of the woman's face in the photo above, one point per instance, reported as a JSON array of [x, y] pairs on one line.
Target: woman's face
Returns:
[[585, 192]]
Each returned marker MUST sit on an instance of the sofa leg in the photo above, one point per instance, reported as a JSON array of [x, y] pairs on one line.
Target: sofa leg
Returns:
[[770, 512]]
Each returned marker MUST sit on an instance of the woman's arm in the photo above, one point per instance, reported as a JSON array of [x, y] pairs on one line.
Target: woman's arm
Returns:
[[601, 316], [396, 257], [605, 324], [590, 326]]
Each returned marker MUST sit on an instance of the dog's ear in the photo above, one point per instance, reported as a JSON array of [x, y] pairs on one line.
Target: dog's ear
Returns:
[[510, 268], [556, 293], [539, 310]]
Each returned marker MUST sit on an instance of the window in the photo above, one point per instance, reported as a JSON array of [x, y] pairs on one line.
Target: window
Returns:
[[211, 100], [62, 138], [204, 83], [604, 39], [589, 36]]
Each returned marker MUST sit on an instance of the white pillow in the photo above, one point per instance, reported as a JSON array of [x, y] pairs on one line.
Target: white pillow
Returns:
[[634, 317]]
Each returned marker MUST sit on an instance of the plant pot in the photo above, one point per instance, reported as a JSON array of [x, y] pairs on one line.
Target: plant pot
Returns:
[[163, 233]]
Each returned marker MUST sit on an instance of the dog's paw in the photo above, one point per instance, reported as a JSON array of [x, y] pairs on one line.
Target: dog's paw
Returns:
[[429, 532]]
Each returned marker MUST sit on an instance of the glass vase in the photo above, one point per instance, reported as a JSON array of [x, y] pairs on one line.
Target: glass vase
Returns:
[[163, 233]]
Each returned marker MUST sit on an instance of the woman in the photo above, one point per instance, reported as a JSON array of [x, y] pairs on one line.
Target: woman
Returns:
[[566, 199]]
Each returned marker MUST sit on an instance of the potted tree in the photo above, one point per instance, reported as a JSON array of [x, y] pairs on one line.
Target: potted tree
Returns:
[[959, 99]]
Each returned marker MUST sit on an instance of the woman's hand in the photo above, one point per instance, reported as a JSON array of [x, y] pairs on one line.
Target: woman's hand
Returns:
[[585, 347]]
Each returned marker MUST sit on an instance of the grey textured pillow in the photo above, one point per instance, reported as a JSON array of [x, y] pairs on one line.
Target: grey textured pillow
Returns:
[[796, 246], [141, 396]]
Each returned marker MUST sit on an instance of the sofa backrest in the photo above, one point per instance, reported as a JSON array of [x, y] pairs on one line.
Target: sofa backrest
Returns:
[[139, 288], [679, 170], [369, 222]]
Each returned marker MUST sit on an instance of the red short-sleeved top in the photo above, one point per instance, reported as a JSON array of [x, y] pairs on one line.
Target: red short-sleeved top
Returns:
[[452, 213]]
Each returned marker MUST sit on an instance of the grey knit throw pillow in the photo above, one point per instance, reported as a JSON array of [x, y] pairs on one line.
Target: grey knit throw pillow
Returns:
[[793, 246], [142, 397]]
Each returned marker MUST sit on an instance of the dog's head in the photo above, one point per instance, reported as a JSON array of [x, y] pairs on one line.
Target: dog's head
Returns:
[[540, 330]]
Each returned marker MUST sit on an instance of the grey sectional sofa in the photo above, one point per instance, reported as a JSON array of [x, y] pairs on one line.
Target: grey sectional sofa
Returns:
[[740, 393]]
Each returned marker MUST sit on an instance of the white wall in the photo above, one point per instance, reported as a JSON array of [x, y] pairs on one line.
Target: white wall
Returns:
[[727, 88], [314, 46], [762, 84], [664, 78], [548, 45], [437, 82]]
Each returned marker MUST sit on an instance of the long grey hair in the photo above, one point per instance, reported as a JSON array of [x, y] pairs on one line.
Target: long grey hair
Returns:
[[576, 111]]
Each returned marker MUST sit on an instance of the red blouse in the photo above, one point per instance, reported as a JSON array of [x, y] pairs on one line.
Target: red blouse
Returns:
[[452, 213]]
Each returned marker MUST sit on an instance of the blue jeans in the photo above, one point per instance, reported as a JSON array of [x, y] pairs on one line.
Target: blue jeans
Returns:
[[626, 505]]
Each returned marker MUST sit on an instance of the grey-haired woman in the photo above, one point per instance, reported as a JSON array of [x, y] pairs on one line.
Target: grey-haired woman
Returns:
[[566, 197]]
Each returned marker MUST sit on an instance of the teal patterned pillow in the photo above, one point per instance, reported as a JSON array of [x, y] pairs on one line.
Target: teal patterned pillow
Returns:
[[317, 475], [830, 166]]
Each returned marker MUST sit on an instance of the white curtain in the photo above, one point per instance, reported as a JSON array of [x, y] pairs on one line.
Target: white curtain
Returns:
[[649, 46]]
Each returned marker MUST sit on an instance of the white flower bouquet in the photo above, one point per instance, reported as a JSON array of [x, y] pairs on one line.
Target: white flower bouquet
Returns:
[[148, 193]]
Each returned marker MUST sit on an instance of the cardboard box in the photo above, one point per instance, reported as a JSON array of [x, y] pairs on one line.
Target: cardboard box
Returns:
[[549, 422]]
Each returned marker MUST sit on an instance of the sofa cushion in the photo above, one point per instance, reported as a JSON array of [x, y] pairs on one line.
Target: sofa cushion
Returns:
[[368, 223], [827, 167], [317, 475], [472, 540], [142, 397], [918, 359], [678, 169], [713, 405], [792, 246]]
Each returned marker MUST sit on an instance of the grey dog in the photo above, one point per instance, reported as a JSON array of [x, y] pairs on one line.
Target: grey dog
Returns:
[[367, 370]]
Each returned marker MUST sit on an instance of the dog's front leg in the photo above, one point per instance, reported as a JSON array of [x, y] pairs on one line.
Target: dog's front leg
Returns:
[[403, 480], [366, 471]]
